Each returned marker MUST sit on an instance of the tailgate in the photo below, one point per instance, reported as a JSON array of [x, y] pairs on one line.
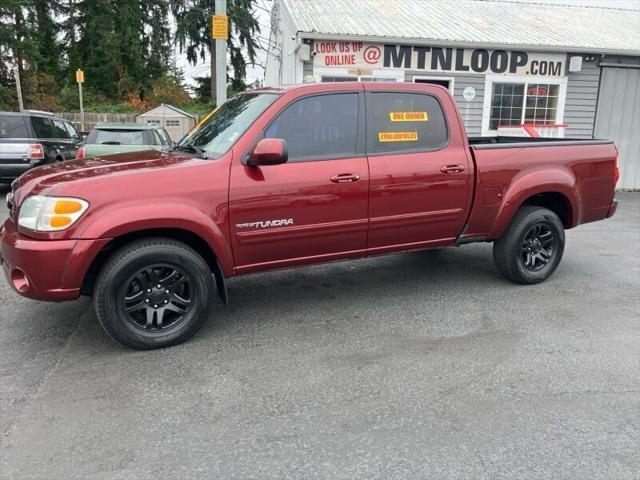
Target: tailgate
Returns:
[[14, 153]]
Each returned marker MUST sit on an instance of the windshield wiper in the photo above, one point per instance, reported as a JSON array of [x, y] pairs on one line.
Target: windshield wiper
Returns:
[[191, 149]]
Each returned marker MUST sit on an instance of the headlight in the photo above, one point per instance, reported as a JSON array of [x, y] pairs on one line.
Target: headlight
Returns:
[[50, 214]]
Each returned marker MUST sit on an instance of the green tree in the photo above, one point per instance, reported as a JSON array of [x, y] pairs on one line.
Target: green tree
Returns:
[[45, 31], [128, 30], [69, 28], [98, 47], [193, 34], [156, 39]]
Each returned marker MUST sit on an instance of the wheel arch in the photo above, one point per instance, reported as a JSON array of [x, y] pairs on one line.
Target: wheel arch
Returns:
[[188, 237], [553, 189]]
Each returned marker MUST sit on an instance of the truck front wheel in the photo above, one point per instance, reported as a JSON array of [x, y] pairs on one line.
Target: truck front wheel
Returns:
[[154, 293], [531, 248]]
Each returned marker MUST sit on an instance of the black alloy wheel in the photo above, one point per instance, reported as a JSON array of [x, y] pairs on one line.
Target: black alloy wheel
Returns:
[[538, 247], [158, 297], [154, 293], [532, 247]]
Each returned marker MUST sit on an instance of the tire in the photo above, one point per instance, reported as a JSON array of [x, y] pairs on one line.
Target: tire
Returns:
[[532, 247], [154, 293]]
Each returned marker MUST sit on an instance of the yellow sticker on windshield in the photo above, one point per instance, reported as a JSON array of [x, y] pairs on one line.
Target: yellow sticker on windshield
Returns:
[[408, 116], [397, 136]]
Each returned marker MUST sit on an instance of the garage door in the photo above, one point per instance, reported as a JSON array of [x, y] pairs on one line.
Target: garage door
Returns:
[[618, 118]]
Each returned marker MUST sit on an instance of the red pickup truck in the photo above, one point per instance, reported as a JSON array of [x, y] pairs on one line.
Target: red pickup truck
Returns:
[[282, 177]]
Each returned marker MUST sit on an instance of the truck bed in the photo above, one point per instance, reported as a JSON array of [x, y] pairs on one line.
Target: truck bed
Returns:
[[578, 176]]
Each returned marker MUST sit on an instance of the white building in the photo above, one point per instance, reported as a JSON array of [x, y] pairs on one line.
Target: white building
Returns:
[[175, 121], [564, 70]]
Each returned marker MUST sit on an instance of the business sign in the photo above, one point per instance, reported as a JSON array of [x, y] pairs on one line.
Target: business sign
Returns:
[[354, 55]]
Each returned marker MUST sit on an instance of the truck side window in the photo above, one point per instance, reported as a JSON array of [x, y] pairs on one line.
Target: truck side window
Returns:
[[406, 121], [318, 126]]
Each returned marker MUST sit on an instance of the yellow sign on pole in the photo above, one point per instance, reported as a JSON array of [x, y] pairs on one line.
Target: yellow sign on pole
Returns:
[[219, 27], [79, 76]]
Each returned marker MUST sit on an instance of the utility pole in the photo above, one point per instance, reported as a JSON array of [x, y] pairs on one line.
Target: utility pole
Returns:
[[80, 80], [19, 88], [220, 34]]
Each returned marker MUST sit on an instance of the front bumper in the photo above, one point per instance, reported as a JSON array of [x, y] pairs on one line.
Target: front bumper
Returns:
[[612, 209], [51, 270]]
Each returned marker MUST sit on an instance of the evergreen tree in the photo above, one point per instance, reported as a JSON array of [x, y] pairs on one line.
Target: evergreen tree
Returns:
[[193, 34], [124, 47], [69, 28], [128, 30], [47, 58], [98, 46], [156, 39]]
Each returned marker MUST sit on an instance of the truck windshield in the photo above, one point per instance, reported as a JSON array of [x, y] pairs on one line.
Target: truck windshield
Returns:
[[219, 132]]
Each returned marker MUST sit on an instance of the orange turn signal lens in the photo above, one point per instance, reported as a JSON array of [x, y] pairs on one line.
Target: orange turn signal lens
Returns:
[[66, 207], [59, 222]]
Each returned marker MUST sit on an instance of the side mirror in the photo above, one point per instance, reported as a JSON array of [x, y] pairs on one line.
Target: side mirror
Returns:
[[269, 151]]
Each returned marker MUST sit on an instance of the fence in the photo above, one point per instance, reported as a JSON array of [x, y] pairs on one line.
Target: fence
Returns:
[[91, 118]]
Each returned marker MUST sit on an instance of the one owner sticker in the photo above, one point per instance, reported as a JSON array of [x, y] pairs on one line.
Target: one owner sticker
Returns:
[[408, 116], [397, 136]]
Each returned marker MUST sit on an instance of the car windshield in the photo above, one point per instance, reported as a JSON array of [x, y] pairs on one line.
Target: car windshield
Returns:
[[220, 130], [116, 136]]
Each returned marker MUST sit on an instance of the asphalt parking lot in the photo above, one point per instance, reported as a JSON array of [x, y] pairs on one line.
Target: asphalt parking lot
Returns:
[[423, 365]]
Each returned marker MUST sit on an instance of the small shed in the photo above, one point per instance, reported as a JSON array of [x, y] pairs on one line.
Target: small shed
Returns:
[[175, 121]]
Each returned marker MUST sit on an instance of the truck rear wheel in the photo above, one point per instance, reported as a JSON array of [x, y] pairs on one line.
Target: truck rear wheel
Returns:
[[154, 293], [531, 248]]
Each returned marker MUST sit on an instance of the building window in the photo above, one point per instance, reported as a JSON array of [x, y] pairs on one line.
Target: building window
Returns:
[[541, 105], [517, 103], [155, 123], [173, 123]]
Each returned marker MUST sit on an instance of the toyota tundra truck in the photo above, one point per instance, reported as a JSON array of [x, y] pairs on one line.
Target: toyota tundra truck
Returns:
[[285, 177]]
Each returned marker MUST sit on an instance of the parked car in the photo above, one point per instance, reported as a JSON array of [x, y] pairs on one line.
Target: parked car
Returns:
[[287, 177], [31, 138], [110, 138]]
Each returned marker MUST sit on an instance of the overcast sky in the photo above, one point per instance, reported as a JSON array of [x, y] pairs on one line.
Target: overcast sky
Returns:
[[253, 73]]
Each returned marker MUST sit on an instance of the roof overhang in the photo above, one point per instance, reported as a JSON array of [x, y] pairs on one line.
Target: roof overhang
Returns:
[[453, 43]]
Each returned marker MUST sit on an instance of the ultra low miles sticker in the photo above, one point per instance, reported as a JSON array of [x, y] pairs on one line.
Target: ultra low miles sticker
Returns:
[[397, 136], [408, 116]]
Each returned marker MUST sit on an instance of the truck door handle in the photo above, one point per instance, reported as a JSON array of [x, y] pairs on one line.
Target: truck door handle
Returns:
[[452, 169], [345, 178]]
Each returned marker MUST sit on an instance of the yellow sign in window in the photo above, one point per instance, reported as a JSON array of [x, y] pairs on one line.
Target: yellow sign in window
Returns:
[[408, 116], [397, 136], [219, 27]]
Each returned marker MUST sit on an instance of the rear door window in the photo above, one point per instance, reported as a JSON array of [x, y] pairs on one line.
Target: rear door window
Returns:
[[318, 126], [43, 127], [71, 130], [13, 127], [59, 129], [405, 122], [116, 137]]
